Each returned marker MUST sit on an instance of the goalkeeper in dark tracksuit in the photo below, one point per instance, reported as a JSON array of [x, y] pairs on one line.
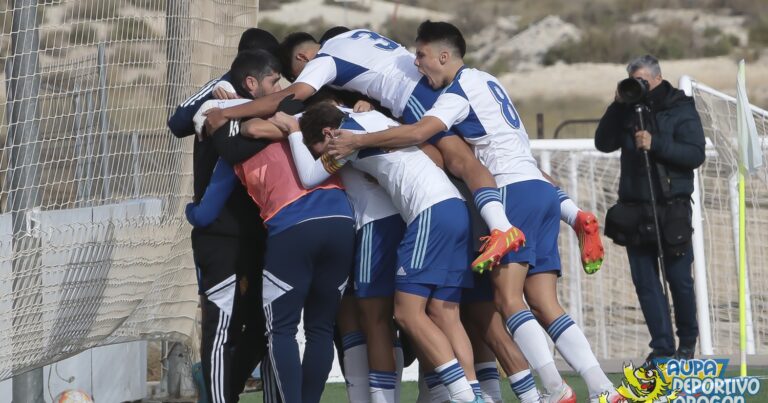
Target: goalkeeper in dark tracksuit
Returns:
[[228, 253]]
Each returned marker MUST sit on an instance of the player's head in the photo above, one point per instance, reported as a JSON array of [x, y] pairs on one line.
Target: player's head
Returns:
[[295, 52], [327, 95], [440, 49], [330, 33], [256, 38], [255, 73], [318, 123]]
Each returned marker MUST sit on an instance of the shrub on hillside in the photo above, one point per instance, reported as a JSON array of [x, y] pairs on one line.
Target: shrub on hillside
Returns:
[[673, 41], [758, 32]]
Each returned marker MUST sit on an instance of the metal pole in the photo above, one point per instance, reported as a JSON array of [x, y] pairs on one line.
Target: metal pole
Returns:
[[733, 193], [80, 167], [103, 123], [178, 75], [178, 56], [24, 196], [539, 125], [659, 247], [700, 270], [699, 256]]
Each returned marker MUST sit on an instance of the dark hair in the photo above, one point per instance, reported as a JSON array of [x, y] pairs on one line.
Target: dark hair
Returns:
[[325, 94], [338, 30], [430, 32], [316, 118], [257, 38], [287, 47], [254, 63]]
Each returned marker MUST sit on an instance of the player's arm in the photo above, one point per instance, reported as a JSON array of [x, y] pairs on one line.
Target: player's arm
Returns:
[[312, 172], [317, 73], [260, 129], [235, 149], [433, 153], [222, 182], [180, 123], [267, 106], [449, 109], [395, 137]]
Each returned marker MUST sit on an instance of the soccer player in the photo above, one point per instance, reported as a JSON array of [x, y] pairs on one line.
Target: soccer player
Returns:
[[434, 254], [366, 62], [489, 337], [476, 106], [310, 277], [228, 250]]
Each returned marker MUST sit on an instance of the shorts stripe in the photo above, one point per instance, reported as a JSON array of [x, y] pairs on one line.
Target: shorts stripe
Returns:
[[367, 251], [425, 243], [422, 237], [503, 192]]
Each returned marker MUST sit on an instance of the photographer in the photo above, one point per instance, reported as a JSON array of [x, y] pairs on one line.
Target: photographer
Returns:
[[650, 116]]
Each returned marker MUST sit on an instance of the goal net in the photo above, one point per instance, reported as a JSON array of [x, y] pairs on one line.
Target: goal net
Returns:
[[605, 304], [94, 247]]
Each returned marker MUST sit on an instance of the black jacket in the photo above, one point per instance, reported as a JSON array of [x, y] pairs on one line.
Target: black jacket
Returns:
[[677, 145], [240, 215]]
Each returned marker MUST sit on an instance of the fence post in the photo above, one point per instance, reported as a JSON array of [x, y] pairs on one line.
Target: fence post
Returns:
[[539, 125], [178, 55], [24, 195], [103, 122]]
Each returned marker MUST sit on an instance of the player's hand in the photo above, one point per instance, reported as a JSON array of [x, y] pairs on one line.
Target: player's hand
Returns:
[[362, 106], [214, 119], [643, 140], [221, 93], [285, 122], [342, 144]]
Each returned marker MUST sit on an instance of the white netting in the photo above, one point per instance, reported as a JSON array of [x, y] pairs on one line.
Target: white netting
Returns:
[[606, 304], [93, 245]]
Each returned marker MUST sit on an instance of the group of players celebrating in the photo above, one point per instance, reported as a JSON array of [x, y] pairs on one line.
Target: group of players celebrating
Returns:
[[358, 171]]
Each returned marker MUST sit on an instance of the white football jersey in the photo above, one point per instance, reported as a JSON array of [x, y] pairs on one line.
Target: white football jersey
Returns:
[[366, 62], [369, 200], [409, 176], [477, 107]]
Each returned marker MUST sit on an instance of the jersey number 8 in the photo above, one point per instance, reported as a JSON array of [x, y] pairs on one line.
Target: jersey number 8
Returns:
[[507, 109], [382, 43]]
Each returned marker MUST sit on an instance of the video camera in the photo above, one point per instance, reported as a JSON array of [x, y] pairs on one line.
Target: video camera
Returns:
[[632, 91]]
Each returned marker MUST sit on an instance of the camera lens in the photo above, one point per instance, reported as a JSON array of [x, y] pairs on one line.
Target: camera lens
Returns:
[[632, 90]]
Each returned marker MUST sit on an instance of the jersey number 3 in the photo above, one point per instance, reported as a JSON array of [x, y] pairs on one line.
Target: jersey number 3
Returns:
[[382, 43], [507, 109]]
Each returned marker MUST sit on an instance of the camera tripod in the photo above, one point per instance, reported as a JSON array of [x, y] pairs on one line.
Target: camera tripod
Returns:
[[659, 247]]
